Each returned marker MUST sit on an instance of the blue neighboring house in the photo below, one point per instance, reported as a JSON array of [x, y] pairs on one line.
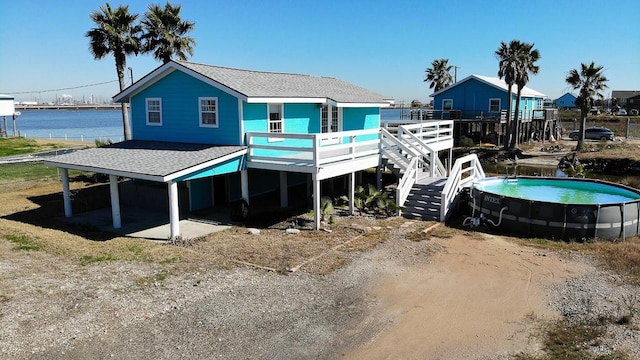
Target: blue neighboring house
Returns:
[[479, 104], [217, 134], [566, 102]]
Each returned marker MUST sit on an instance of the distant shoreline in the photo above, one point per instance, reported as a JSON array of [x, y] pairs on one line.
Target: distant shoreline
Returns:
[[70, 107]]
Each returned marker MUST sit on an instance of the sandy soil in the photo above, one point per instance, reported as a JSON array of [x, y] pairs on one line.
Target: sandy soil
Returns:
[[476, 299], [467, 296]]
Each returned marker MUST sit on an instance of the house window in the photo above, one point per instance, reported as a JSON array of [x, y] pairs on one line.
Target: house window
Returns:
[[447, 104], [154, 111], [276, 124], [494, 105], [208, 111]]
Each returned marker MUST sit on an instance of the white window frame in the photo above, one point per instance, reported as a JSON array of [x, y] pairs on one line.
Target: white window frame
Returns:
[[281, 120], [499, 104], [148, 111], [330, 122], [269, 121], [200, 112], [444, 101]]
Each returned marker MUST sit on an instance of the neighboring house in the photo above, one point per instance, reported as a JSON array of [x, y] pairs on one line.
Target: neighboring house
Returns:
[[566, 102], [621, 97], [633, 103], [216, 134], [479, 103]]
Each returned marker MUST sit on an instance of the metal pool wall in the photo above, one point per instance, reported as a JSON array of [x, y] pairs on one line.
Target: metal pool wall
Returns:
[[559, 221]]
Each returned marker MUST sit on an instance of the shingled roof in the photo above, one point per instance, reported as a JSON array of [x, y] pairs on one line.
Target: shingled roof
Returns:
[[249, 84], [150, 160], [495, 82]]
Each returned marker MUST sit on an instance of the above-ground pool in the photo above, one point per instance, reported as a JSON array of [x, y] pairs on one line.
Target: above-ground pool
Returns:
[[557, 208]]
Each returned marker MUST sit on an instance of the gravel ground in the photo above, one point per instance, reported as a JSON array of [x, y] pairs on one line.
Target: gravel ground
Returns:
[[602, 297], [126, 310], [129, 310]]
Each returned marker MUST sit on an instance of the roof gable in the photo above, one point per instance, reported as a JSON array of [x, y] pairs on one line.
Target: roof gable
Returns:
[[566, 96], [260, 86], [494, 82]]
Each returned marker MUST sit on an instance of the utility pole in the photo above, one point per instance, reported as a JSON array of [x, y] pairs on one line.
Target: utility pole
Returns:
[[455, 73], [131, 74]]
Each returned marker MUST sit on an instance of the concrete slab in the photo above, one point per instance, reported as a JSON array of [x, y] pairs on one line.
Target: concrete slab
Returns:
[[189, 229], [151, 225]]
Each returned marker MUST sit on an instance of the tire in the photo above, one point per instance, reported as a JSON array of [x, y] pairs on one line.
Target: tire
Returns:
[[603, 138], [573, 137]]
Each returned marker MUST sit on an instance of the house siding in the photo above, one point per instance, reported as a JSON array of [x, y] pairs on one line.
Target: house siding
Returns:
[[180, 112], [473, 96], [226, 167]]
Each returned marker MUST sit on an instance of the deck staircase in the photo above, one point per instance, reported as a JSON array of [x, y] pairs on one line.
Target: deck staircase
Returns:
[[410, 151], [426, 190]]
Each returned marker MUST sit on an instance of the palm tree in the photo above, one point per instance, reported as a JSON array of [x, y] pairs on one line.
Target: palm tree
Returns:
[[164, 33], [439, 75], [507, 69], [525, 59], [116, 33], [591, 83]]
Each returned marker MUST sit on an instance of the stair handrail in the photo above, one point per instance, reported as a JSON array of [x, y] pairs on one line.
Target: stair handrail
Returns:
[[386, 135], [456, 181], [406, 182], [438, 168]]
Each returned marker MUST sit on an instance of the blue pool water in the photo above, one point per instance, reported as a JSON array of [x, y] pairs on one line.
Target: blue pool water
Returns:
[[564, 191]]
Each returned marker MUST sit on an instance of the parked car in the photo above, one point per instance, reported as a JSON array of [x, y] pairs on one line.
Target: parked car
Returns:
[[594, 111], [593, 133]]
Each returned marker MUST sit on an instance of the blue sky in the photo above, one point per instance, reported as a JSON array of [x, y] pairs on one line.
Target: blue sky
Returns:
[[384, 46]]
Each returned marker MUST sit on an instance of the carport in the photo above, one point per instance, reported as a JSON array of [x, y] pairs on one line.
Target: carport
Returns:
[[164, 162]]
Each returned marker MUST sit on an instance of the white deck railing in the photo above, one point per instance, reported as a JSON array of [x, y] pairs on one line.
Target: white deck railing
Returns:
[[406, 182], [465, 170], [437, 134], [311, 150]]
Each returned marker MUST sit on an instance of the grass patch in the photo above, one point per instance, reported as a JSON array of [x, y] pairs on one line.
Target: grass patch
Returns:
[[24, 242], [31, 171], [568, 340], [92, 259], [145, 281], [621, 257], [17, 146], [20, 146]]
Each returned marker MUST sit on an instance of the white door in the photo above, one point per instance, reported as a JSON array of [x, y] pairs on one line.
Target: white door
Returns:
[[330, 123]]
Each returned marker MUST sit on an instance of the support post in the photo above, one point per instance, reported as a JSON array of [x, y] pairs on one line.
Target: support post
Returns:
[[174, 210], [115, 201], [284, 196], [244, 185], [352, 192], [316, 202], [66, 194]]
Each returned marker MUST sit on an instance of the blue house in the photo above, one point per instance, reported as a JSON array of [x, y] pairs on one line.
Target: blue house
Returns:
[[479, 104], [215, 134], [566, 101]]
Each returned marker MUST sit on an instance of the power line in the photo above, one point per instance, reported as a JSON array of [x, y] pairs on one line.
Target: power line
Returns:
[[60, 89]]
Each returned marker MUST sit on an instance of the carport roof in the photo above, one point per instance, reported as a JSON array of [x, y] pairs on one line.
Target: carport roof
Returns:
[[149, 160]]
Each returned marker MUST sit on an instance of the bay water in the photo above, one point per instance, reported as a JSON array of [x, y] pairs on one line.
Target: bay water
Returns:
[[89, 125], [74, 125]]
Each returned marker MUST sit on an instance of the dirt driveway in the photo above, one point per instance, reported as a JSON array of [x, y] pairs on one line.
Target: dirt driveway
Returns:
[[468, 296], [478, 297]]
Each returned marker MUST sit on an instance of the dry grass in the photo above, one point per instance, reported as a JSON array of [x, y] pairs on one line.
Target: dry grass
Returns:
[[621, 257], [29, 224], [611, 150]]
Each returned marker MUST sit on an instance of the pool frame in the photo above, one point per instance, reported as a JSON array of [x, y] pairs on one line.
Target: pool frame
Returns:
[[552, 220]]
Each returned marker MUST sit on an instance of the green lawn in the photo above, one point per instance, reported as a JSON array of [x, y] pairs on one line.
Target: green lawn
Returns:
[[27, 171], [17, 146]]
